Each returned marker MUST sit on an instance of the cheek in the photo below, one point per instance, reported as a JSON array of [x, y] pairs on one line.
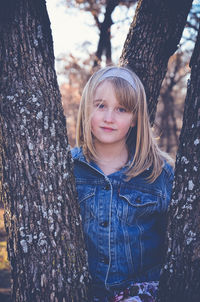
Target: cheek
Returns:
[[94, 120], [126, 124], [124, 128]]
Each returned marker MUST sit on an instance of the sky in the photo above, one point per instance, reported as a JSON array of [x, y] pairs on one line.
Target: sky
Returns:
[[69, 27]]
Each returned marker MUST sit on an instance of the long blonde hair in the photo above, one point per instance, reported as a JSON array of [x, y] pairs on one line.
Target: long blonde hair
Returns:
[[140, 139]]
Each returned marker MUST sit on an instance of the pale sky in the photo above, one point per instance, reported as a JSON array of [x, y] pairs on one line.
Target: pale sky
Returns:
[[69, 27]]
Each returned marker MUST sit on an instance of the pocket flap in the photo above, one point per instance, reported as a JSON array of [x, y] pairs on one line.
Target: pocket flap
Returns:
[[139, 199]]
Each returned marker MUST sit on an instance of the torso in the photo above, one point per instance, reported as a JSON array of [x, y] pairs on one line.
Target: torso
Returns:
[[123, 223]]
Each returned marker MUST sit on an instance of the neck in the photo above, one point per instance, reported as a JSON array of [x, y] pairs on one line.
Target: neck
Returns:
[[111, 158], [111, 151]]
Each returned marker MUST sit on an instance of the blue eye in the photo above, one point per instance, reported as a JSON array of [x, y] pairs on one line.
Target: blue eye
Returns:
[[121, 109], [100, 106]]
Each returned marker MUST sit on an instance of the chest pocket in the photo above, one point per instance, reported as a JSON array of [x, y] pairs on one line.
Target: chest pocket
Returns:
[[131, 207], [86, 199]]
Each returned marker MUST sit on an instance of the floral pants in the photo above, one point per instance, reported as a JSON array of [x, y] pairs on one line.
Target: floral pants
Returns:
[[138, 292]]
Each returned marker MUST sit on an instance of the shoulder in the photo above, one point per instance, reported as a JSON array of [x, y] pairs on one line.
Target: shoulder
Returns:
[[76, 152], [168, 170], [78, 157], [78, 163]]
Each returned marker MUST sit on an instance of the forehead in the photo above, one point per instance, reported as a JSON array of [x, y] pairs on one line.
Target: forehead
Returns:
[[105, 91]]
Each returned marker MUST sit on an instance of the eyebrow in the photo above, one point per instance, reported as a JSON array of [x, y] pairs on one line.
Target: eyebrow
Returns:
[[102, 101], [98, 100]]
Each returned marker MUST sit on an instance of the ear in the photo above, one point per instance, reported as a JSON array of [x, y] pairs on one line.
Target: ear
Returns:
[[133, 124]]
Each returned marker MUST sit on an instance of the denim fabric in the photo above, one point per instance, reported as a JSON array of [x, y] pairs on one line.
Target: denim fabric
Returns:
[[124, 223]]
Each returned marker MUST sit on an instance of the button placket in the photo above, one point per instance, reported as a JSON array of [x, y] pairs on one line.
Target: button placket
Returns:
[[103, 210], [107, 187]]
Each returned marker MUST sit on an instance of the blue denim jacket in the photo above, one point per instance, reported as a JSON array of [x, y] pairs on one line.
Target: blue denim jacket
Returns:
[[124, 222]]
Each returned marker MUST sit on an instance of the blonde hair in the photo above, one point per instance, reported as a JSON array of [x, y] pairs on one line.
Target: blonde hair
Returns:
[[133, 98]]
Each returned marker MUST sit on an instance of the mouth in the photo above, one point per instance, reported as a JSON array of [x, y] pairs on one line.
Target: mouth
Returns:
[[108, 129]]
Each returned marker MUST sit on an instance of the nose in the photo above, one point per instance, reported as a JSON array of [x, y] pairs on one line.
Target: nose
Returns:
[[108, 116]]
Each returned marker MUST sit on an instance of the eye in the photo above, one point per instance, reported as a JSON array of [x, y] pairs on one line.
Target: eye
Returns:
[[100, 106], [121, 109]]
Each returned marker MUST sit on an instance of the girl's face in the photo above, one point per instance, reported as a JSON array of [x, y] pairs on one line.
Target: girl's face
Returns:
[[110, 122]]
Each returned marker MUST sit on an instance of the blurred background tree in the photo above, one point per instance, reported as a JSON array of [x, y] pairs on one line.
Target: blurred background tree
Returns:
[[102, 10]]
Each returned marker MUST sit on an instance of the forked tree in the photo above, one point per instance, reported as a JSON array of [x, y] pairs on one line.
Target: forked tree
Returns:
[[45, 240]]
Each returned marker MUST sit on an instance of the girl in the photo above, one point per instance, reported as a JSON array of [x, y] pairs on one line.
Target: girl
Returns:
[[124, 184]]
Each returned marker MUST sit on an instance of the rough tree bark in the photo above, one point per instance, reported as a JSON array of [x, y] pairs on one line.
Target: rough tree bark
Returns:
[[180, 279], [45, 241], [153, 37]]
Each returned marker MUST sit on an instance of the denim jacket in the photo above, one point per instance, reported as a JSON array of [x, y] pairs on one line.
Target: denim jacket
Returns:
[[124, 222]]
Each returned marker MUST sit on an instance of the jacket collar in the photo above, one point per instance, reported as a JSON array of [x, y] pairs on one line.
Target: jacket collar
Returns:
[[77, 153]]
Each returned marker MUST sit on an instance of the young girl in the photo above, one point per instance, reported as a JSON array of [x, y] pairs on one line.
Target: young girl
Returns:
[[124, 184]]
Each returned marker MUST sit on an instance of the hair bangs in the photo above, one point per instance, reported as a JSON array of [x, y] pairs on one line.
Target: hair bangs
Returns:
[[125, 94]]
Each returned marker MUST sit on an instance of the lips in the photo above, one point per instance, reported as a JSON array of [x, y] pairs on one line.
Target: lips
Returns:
[[108, 129]]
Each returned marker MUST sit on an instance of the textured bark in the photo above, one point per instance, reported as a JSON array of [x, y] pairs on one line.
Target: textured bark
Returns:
[[45, 240], [153, 37], [180, 279]]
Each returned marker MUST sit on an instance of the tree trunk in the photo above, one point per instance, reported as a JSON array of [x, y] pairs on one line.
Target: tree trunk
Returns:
[[180, 279], [153, 37], [45, 240]]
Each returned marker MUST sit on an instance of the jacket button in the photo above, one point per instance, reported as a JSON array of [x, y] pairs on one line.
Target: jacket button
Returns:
[[107, 187], [138, 200], [104, 260], [104, 224]]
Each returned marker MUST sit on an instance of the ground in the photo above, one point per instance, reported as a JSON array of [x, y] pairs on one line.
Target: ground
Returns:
[[4, 264]]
